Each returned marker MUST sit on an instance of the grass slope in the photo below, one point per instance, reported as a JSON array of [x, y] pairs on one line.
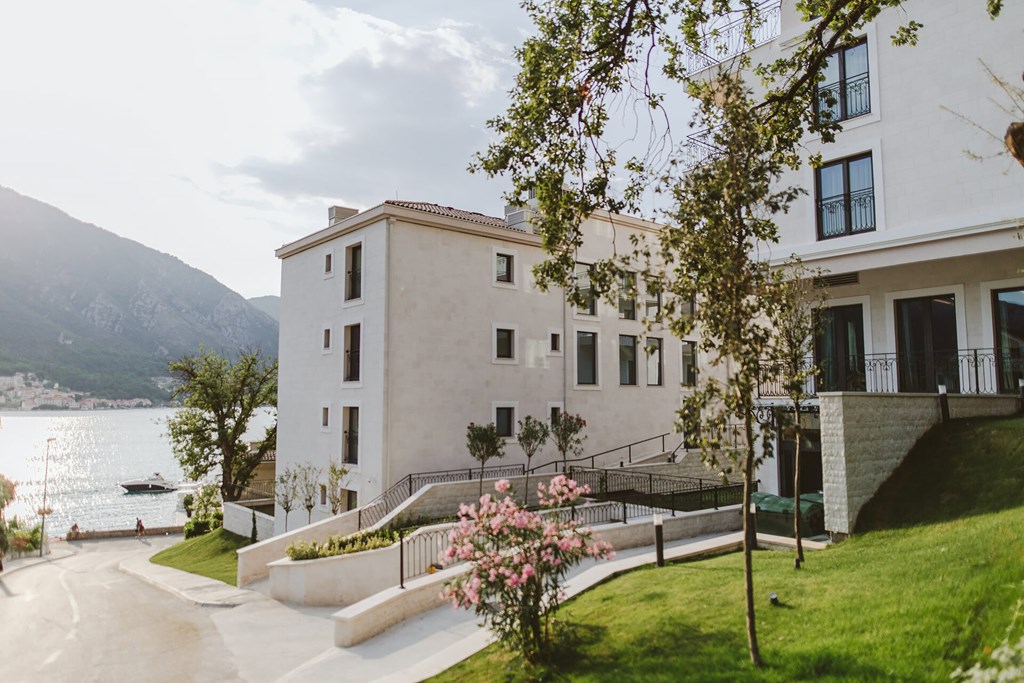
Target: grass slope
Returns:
[[909, 603], [211, 555]]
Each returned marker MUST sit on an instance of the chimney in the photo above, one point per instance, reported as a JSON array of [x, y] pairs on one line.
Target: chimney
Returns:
[[337, 214]]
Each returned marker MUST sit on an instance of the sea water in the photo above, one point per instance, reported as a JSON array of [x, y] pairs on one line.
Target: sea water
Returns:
[[91, 453]]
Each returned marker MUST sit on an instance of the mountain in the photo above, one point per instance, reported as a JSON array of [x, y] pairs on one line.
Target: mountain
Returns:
[[103, 314], [271, 305]]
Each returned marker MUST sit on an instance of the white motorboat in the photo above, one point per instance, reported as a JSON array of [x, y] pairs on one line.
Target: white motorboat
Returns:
[[154, 484]]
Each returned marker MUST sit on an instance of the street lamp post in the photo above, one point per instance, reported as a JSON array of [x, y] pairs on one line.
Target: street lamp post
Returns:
[[46, 477]]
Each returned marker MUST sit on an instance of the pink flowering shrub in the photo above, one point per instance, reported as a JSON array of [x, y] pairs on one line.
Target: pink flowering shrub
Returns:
[[518, 561]]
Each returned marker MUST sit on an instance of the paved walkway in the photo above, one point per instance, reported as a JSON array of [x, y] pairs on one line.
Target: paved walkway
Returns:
[[275, 641]]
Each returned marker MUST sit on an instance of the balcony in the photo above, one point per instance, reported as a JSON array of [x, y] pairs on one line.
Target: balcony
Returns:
[[352, 365], [971, 371], [846, 214], [845, 99], [730, 40]]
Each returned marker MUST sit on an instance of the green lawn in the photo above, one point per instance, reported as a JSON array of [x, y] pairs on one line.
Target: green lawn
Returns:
[[909, 603], [211, 555]]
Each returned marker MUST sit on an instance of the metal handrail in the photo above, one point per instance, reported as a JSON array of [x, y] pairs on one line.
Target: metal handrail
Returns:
[[628, 447], [731, 39]]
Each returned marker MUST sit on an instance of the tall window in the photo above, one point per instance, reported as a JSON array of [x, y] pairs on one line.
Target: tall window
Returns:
[[325, 417], [846, 197], [327, 338], [845, 91], [627, 297], [504, 420], [504, 268], [583, 272], [556, 341], [351, 499], [586, 358], [689, 364], [839, 348], [354, 272], [350, 439], [652, 302], [1008, 309], [328, 263], [627, 359], [654, 378], [926, 344], [504, 343], [352, 344]]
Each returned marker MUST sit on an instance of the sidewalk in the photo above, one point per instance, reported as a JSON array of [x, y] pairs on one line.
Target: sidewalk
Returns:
[[412, 651]]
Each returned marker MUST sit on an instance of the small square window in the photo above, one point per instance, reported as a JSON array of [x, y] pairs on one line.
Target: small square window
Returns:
[[505, 343], [556, 341], [504, 421], [325, 417], [351, 499], [556, 413], [323, 494], [327, 338], [504, 268], [328, 264]]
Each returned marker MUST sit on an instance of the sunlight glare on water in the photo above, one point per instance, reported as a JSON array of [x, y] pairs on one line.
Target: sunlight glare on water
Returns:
[[91, 453]]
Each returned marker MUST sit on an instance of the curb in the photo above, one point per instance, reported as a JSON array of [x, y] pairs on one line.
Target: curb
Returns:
[[196, 586]]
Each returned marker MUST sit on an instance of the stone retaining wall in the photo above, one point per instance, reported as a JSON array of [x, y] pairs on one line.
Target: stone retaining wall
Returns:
[[865, 436], [238, 520]]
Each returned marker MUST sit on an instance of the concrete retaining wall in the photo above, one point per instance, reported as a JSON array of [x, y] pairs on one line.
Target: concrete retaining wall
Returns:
[[340, 580], [253, 559], [865, 436], [238, 520]]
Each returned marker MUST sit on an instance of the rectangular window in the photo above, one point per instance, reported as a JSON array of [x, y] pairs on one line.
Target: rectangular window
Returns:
[[327, 338], [583, 272], [687, 307], [654, 378], [689, 364], [323, 494], [504, 421], [627, 297], [352, 344], [504, 343], [328, 264], [845, 91], [325, 417], [556, 412], [1008, 316], [351, 500], [845, 191], [504, 268], [627, 359], [586, 358], [350, 439], [556, 341], [354, 272], [652, 302]]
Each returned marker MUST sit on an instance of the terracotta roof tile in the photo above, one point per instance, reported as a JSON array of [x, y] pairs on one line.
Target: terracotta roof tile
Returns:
[[451, 212]]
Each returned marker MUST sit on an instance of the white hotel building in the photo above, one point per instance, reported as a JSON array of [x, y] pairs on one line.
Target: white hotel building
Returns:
[[402, 324], [920, 241]]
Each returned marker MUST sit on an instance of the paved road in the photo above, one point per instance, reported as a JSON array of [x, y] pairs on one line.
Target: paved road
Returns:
[[78, 618]]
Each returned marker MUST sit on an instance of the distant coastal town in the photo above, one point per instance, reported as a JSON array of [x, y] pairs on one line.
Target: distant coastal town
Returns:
[[25, 391]]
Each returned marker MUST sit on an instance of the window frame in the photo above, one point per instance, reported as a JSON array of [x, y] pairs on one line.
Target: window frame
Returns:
[[512, 271], [504, 360], [350, 250], [593, 311], [627, 301], [634, 344], [845, 196], [503, 406], [347, 458], [596, 334], [560, 351], [683, 376], [346, 374], [840, 84], [327, 340], [660, 346], [325, 417], [328, 264]]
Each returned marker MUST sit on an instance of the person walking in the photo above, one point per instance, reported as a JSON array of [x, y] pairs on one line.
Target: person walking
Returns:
[[140, 530]]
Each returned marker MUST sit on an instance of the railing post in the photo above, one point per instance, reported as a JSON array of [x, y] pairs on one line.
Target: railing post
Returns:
[[624, 513], [716, 497], [629, 453], [662, 443], [359, 518], [410, 486], [673, 503], [977, 386], [700, 493], [650, 483], [401, 559]]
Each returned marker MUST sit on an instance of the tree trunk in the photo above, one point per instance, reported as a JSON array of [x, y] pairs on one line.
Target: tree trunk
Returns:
[[749, 543], [481, 479], [796, 491], [526, 485]]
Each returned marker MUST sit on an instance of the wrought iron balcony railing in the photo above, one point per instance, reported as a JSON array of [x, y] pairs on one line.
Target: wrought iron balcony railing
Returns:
[[846, 99], [846, 214], [724, 42], [971, 371]]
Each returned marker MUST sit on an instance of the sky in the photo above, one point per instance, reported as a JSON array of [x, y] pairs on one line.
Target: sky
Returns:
[[218, 130]]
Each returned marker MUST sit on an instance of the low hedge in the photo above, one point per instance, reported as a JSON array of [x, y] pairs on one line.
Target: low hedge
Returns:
[[342, 545]]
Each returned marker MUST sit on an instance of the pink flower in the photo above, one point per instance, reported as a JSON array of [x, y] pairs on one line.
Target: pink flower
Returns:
[[502, 485]]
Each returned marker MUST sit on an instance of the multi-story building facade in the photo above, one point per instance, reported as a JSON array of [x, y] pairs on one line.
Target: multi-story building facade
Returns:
[[920, 241], [402, 324]]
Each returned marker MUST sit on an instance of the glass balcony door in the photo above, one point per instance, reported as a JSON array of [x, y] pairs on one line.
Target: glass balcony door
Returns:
[[926, 344], [839, 349], [1008, 316]]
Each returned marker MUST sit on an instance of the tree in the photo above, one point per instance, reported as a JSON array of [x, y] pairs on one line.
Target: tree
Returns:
[[219, 399], [565, 433], [532, 435], [7, 493], [484, 443], [286, 492], [307, 482], [337, 476], [799, 304], [518, 561]]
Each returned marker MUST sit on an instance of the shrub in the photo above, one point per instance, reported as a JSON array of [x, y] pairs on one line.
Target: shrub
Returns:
[[343, 545], [518, 561], [197, 527]]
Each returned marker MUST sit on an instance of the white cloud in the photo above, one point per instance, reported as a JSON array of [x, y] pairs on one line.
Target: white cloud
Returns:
[[218, 130]]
